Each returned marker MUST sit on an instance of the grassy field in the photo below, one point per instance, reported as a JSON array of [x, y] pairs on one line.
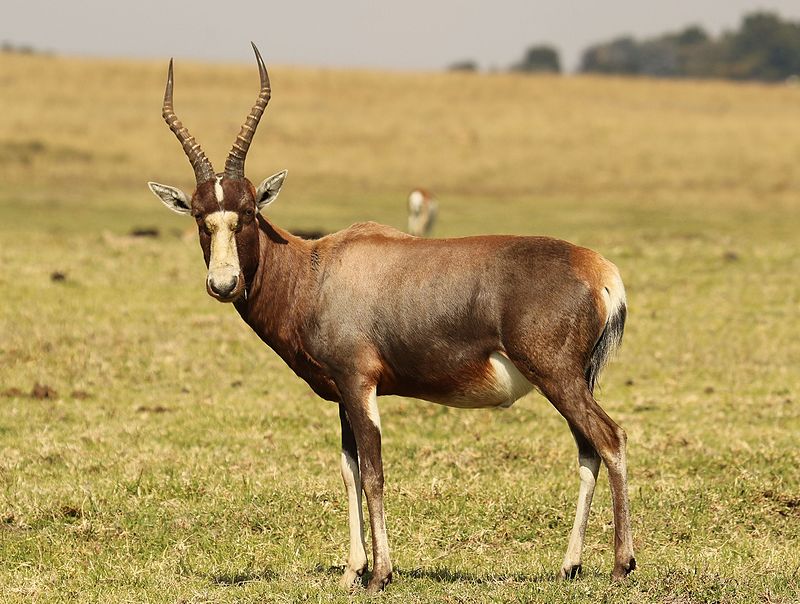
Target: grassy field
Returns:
[[168, 456]]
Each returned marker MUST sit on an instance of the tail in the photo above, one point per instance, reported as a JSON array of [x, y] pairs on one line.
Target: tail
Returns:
[[611, 338]]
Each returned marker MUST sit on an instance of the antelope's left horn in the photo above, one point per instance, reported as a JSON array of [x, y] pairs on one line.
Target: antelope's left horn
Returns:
[[234, 165]]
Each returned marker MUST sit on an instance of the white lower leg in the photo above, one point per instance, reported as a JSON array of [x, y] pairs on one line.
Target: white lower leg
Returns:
[[357, 560], [381, 562], [589, 467]]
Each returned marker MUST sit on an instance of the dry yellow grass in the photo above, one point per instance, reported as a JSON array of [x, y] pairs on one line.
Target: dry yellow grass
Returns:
[[91, 126]]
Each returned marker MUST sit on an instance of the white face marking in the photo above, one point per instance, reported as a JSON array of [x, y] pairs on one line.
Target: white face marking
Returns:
[[223, 265], [218, 190]]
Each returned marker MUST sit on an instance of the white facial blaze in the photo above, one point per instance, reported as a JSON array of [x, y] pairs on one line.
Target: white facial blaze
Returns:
[[218, 189], [223, 266]]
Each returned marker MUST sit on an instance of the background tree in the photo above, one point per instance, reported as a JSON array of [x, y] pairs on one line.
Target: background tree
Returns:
[[617, 56], [466, 65], [539, 59], [764, 48]]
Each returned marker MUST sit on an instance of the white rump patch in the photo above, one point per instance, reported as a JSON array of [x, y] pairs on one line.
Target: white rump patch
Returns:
[[614, 293]]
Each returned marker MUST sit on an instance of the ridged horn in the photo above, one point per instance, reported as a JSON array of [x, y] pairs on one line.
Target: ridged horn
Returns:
[[234, 165], [200, 163]]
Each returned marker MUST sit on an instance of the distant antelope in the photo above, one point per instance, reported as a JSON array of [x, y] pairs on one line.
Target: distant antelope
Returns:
[[470, 322], [422, 209]]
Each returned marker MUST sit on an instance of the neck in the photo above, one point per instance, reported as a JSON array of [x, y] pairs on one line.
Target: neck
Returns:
[[278, 291]]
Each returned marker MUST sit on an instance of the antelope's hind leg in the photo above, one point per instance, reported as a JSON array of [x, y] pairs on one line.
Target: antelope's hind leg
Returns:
[[357, 559], [588, 467], [575, 402]]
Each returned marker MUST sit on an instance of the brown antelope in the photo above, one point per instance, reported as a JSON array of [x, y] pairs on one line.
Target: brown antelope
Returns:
[[471, 322], [422, 209]]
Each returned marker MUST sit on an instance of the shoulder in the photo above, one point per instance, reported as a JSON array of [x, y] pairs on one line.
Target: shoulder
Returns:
[[367, 230]]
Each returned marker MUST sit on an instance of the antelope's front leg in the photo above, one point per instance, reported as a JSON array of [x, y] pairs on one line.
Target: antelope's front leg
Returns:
[[351, 475], [360, 403]]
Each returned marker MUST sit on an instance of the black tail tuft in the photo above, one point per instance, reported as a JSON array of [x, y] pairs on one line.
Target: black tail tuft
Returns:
[[605, 346]]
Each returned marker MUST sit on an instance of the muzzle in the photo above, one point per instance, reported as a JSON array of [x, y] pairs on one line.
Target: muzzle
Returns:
[[225, 283]]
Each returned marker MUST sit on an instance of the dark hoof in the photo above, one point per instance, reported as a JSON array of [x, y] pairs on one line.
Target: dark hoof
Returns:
[[378, 583], [571, 572], [623, 570]]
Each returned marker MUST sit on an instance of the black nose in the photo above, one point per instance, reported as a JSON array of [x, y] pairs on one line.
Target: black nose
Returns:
[[223, 288]]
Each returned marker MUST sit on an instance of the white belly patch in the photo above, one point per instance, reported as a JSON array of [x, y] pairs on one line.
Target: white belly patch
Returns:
[[509, 383], [502, 385]]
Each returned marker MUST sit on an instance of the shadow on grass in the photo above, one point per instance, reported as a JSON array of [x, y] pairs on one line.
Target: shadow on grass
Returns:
[[447, 575], [248, 575]]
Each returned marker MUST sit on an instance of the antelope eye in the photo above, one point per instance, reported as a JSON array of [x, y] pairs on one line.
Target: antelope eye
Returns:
[[249, 212]]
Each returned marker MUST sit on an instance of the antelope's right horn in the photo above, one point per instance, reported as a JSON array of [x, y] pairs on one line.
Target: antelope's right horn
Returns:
[[200, 163]]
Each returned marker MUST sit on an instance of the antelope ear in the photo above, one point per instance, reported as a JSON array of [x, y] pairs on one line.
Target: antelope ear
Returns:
[[268, 190], [175, 199]]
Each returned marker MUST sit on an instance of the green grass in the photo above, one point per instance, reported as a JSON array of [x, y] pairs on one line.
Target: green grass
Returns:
[[200, 469], [181, 461]]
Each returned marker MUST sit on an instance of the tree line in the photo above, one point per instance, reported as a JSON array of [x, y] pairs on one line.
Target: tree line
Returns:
[[765, 47]]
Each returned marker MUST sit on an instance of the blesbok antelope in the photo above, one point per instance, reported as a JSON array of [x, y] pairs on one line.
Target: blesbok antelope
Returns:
[[471, 322], [422, 209]]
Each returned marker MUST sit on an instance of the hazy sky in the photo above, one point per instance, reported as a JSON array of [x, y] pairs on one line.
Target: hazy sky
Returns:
[[410, 34]]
